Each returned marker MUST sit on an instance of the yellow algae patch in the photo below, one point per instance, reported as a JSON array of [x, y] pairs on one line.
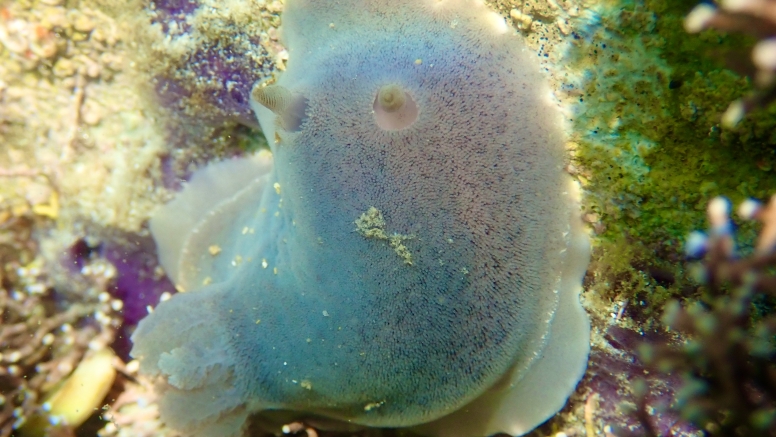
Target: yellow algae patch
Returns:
[[371, 224], [78, 397], [50, 209]]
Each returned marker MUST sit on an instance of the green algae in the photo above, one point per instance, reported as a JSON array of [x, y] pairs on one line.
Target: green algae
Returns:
[[234, 138], [650, 146]]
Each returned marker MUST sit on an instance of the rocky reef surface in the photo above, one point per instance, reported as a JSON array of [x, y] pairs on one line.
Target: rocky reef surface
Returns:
[[106, 107]]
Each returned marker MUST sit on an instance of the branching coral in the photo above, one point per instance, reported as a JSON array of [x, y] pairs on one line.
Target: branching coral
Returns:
[[728, 360], [754, 17]]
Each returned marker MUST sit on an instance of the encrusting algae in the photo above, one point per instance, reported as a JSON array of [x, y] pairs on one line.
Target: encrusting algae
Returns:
[[371, 224], [651, 153]]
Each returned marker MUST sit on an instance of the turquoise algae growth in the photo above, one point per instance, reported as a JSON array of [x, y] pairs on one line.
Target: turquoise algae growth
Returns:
[[410, 254], [648, 142]]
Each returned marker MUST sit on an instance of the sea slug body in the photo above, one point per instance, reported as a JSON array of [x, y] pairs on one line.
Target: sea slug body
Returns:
[[408, 256]]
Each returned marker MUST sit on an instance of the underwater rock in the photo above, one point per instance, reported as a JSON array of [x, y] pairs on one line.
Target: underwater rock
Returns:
[[174, 9], [410, 255], [203, 58], [233, 74], [612, 372]]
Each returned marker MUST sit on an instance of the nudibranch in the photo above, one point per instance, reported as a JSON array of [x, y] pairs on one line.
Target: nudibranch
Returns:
[[409, 255]]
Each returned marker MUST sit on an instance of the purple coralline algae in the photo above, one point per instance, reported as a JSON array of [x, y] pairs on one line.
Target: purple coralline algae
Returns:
[[205, 56]]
